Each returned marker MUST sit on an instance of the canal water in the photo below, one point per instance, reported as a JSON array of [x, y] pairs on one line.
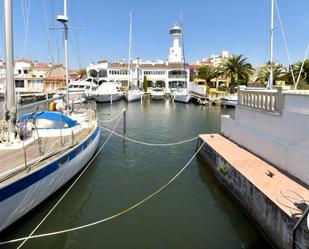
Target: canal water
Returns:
[[193, 212]]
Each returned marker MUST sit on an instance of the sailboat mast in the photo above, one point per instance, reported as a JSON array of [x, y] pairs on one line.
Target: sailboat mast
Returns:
[[64, 20], [130, 45], [271, 73], [66, 57], [10, 86]]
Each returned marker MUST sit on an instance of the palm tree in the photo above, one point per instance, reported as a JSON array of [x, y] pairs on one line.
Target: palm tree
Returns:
[[304, 76], [279, 73], [236, 67], [207, 73]]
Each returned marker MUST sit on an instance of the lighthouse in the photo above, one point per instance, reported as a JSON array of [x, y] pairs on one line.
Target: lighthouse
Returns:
[[175, 54]]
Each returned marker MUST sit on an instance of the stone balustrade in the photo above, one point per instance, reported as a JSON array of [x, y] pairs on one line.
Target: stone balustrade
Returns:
[[265, 100]]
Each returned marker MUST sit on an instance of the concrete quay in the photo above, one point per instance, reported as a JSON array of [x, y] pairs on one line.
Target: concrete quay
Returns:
[[272, 199]]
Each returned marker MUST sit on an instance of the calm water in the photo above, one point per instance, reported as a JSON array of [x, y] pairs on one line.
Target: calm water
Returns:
[[193, 212]]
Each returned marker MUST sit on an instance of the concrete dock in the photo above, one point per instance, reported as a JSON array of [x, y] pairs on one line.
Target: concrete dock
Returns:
[[273, 199]]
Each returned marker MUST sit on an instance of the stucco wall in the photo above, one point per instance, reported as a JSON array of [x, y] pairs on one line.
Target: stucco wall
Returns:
[[281, 139]]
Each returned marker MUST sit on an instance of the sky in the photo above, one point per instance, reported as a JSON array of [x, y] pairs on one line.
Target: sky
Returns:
[[100, 29]]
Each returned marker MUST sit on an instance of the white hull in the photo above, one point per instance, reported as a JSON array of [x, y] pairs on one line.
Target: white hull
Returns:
[[108, 97], [230, 103], [18, 204], [184, 98], [157, 97], [133, 96]]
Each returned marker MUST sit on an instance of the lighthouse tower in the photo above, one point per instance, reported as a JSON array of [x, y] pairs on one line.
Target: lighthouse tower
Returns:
[[175, 54]]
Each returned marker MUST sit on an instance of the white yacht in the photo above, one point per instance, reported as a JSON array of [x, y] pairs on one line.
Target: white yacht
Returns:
[[48, 150], [157, 94], [181, 95], [82, 88], [133, 95], [230, 101], [108, 92]]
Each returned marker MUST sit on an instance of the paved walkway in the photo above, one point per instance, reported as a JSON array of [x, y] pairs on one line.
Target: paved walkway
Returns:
[[279, 188]]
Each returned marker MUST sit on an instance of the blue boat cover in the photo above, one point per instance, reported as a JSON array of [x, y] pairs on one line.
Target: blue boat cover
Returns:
[[57, 116]]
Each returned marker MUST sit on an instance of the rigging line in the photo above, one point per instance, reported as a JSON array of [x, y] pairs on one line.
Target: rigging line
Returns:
[[149, 144], [75, 39], [133, 207], [46, 31], [285, 42], [68, 190], [301, 68], [74, 50]]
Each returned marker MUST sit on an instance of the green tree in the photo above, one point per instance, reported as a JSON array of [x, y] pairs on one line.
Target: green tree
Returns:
[[279, 73], [304, 75], [145, 83], [236, 67], [82, 72], [207, 73]]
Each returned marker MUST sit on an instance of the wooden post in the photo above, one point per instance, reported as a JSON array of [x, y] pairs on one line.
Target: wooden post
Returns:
[[124, 113]]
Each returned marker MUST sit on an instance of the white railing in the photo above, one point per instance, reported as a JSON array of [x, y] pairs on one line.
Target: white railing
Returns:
[[263, 100]]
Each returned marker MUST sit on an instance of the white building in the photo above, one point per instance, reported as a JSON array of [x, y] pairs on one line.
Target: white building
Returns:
[[29, 75], [213, 60], [169, 74]]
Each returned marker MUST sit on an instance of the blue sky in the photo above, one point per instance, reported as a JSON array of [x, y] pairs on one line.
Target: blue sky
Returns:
[[239, 26]]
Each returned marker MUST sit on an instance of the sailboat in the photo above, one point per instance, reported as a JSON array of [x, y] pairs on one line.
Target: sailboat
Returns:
[[132, 94], [39, 151]]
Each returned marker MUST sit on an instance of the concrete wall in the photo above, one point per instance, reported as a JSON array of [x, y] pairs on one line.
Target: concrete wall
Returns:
[[276, 225], [281, 139]]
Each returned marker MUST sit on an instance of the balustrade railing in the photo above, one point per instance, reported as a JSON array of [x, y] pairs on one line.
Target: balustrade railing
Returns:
[[264, 100]]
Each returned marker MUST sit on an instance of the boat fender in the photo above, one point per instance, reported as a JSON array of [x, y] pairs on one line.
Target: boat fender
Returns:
[[52, 106]]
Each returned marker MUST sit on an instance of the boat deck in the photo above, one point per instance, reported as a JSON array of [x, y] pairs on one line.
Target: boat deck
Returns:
[[14, 162], [281, 189]]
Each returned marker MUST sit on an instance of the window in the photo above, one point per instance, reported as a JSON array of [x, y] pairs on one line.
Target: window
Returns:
[[20, 83], [103, 73]]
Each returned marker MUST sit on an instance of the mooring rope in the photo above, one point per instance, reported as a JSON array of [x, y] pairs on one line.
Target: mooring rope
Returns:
[[113, 119], [25, 239], [108, 218], [149, 144]]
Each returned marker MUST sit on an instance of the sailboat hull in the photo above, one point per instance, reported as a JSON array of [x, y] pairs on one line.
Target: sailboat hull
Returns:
[[22, 195]]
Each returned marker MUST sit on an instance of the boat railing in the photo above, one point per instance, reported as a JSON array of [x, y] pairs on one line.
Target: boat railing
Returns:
[[88, 105], [265, 100], [21, 109]]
